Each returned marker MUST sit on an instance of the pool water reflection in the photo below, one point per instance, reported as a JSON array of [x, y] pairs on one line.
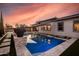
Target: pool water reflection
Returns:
[[43, 44]]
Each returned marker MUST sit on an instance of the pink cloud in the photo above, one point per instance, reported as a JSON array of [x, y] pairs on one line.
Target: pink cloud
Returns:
[[35, 12]]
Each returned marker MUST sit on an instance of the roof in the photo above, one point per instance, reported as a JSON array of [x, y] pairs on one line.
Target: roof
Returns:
[[69, 17], [55, 19], [48, 20]]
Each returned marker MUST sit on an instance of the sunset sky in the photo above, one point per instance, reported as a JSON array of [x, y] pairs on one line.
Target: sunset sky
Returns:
[[30, 13]]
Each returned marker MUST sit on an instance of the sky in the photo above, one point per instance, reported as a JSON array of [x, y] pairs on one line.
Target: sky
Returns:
[[30, 13]]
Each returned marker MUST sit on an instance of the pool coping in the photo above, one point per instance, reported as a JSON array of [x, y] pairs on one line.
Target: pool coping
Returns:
[[58, 50], [21, 49]]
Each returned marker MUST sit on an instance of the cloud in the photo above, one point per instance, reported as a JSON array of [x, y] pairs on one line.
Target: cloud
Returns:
[[30, 13]]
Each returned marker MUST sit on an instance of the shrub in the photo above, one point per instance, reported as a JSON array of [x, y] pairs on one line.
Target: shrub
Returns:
[[19, 31]]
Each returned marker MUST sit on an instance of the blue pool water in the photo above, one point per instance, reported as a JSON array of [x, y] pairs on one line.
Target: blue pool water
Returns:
[[43, 44]]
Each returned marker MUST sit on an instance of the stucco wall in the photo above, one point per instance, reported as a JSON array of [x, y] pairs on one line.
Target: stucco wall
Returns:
[[68, 29]]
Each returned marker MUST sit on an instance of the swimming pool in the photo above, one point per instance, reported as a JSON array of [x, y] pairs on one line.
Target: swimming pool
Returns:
[[43, 43]]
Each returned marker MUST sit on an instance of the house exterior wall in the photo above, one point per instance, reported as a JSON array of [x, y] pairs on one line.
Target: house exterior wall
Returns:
[[68, 29]]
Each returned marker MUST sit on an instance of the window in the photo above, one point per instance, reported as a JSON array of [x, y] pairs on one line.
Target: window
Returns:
[[42, 28], [35, 29], [60, 26], [76, 26], [46, 27]]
